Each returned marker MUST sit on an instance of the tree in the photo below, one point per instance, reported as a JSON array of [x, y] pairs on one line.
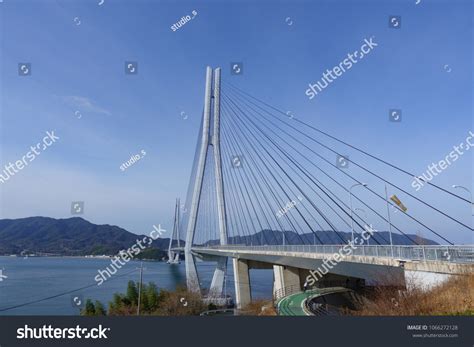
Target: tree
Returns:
[[92, 309], [152, 296], [89, 309], [132, 293], [99, 309], [144, 304], [154, 302], [120, 305]]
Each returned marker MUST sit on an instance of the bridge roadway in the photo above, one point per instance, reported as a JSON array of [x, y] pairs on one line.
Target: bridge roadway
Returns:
[[372, 265]]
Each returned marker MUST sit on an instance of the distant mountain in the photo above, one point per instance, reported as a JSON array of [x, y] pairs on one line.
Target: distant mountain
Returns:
[[71, 236], [272, 237], [77, 236]]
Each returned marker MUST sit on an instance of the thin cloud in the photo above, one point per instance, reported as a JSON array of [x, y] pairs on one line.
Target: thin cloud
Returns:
[[85, 104]]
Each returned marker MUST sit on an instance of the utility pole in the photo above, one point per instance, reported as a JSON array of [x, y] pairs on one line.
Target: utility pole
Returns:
[[140, 288]]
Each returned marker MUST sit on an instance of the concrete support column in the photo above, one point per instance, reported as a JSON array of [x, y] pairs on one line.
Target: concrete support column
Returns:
[[192, 278], [218, 279], [286, 280], [242, 283]]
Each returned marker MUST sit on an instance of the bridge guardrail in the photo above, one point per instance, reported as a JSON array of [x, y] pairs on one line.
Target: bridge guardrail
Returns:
[[454, 254], [285, 291]]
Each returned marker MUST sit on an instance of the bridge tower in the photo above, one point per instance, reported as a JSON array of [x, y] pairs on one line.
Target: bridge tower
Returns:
[[173, 257], [210, 145]]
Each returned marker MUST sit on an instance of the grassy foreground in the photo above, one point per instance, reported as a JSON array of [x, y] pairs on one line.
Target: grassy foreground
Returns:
[[453, 297]]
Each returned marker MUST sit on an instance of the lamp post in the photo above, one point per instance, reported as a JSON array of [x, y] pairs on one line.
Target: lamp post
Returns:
[[350, 202], [365, 214], [470, 194]]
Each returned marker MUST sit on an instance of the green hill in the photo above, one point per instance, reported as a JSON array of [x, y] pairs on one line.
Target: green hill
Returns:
[[71, 236]]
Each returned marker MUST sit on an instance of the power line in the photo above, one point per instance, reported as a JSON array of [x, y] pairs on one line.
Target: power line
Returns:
[[60, 294]]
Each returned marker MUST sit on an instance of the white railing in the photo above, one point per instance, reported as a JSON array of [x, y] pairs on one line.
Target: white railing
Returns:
[[454, 254]]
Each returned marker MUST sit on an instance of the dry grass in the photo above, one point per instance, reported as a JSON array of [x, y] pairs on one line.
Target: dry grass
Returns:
[[259, 308], [453, 297], [180, 303]]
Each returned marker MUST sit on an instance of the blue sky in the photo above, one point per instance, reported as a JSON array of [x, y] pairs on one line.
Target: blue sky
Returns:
[[81, 68]]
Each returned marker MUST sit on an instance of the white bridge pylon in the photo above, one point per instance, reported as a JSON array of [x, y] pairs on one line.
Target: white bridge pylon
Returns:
[[173, 257], [210, 145]]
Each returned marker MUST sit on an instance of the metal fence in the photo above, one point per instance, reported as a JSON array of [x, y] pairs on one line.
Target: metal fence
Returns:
[[283, 292], [454, 254]]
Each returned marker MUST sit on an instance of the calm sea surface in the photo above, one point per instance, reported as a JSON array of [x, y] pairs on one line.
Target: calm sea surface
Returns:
[[34, 278]]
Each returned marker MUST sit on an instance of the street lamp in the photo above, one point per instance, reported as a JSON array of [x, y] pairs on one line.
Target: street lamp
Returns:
[[365, 214], [470, 194], [350, 201]]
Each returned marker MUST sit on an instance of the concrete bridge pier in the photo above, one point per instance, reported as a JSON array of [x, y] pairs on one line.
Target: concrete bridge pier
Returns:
[[243, 295], [217, 284], [285, 279]]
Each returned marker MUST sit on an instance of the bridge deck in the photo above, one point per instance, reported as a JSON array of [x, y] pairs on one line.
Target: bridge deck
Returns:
[[450, 254]]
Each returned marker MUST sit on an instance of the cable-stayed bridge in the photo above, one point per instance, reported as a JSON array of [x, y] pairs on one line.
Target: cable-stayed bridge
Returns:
[[272, 191]]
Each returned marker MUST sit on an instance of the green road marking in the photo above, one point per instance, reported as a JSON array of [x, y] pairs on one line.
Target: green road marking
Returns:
[[292, 305]]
